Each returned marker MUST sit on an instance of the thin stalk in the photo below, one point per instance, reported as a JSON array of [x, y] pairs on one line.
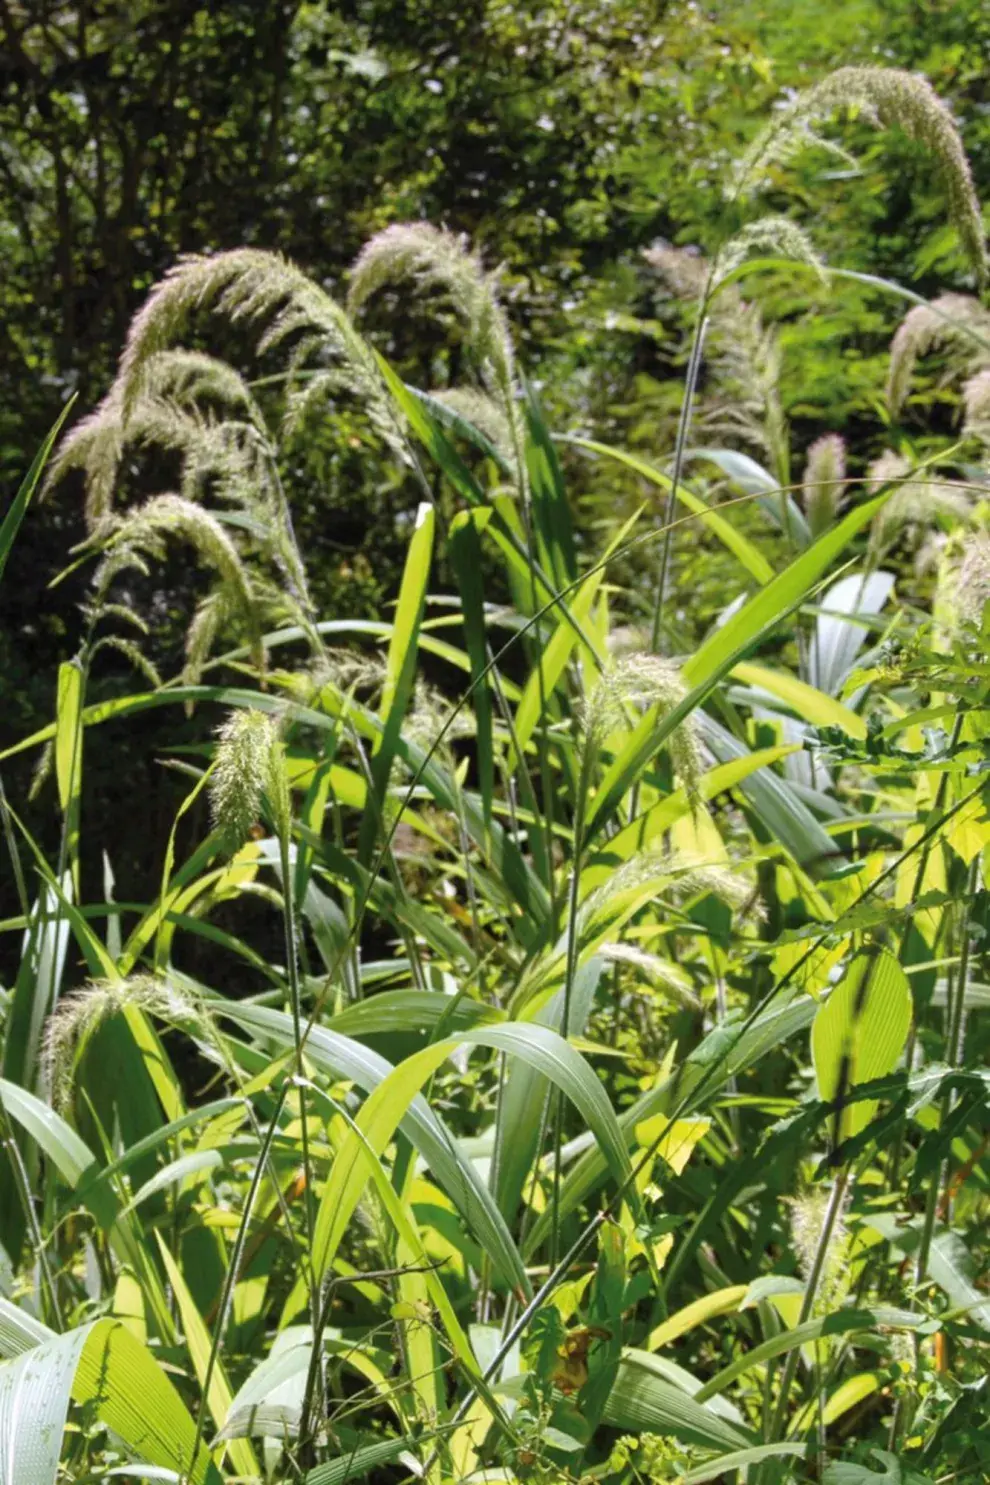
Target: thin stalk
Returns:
[[23, 1184], [464, 843], [234, 1073], [374, 1276], [292, 967], [684, 424], [957, 1018], [571, 963], [485, 1276], [919, 877], [529, 524], [955, 1010], [318, 1332], [515, 1331], [722, 1014], [232, 1275], [14, 853], [832, 1213], [546, 781]]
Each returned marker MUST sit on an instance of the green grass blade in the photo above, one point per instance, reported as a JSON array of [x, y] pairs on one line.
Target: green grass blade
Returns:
[[722, 1055], [342, 1057], [384, 1109], [19, 1331], [524, 1095], [551, 508], [859, 1034], [643, 1400], [68, 760], [359, 1463], [464, 549], [720, 652], [400, 670], [14, 514], [242, 1455], [104, 1366], [779, 597], [749, 556], [840, 1322], [741, 1459], [35, 1393]]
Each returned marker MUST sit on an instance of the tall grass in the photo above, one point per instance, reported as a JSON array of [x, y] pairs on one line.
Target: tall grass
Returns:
[[652, 1142]]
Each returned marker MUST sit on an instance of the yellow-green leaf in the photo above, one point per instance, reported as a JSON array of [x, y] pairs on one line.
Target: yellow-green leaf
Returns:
[[220, 1395], [859, 1034]]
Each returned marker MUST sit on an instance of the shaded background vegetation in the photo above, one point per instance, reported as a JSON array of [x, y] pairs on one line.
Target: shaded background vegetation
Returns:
[[563, 138]]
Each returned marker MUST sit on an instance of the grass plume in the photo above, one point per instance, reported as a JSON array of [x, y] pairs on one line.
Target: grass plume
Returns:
[[886, 97]]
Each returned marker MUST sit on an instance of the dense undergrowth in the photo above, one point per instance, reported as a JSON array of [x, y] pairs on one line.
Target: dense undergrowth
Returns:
[[613, 1106]]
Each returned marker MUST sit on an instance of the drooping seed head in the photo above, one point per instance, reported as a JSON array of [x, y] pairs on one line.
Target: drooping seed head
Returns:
[[886, 97]]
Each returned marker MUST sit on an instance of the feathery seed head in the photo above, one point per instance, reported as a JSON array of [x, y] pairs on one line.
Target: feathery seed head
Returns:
[[248, 764], [779, 236], [133, 653], [886, 468], [656, 970], [250, 285], [94, 445], [682, 875], [918, 502], [437, 260], [946, 321], [685, 271], [886, 97], [42, 771], [822, 487], [695, 876], [118, 558], [974, 575], [192, 378], [744, 355], [360, 670], [242, 283], [430, 713], [483, 412], [183, 402], [807, 1222], [976, 403], [211, 617], [108, 610], [642, 681], [173, 515], [80, 1014], [963, 581], [626, 639], [142, 532]]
